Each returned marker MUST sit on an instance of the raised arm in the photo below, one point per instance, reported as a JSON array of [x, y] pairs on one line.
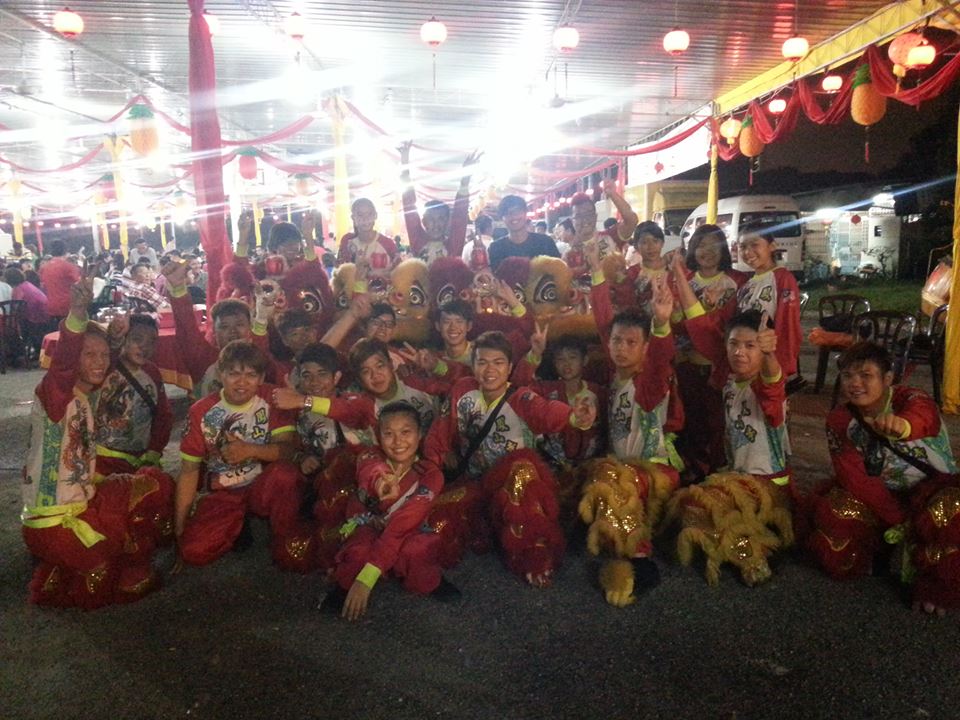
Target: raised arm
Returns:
[[628, 218]]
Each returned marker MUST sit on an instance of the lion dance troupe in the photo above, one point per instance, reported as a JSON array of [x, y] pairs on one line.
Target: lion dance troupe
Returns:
[[468, 394]]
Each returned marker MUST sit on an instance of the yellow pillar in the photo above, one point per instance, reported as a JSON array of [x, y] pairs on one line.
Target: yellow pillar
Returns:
[[951, 367], [341, 181], [257, 219], [17, 211], [713, 187], [115, 147]]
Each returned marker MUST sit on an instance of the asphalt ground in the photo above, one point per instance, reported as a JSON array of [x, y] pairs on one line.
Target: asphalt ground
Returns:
[[240, 639]]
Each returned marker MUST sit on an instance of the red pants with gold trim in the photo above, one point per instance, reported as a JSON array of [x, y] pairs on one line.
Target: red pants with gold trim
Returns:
[[845, 535], [517, 498], [130, 511], [417, 563], [276, 494], [107, 466], [334, 485]]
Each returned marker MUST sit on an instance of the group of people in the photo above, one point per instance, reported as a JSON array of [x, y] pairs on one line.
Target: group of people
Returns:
[[479, 396]]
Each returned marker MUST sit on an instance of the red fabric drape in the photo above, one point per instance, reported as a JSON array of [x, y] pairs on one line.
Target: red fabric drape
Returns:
[[885, 81], [766, 131], [290, 167], [281, 134], [63, 168], [839, 108], [668, 142], [205, 143]]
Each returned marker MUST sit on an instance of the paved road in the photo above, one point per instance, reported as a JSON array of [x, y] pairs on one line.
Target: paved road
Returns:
[[242, 640]]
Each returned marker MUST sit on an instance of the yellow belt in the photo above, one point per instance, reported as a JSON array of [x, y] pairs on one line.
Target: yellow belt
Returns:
[[65, 515]]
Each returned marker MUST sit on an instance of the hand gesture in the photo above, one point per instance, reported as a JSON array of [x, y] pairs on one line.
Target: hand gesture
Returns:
[[591, 251], [310, 464], [584, 413], [287, 399], [355, 605], [473, 158], [266, 293], [387, 487], [360, 306], [81, 295], [235, 450], [662, 301], [538, 340], [176, 274], [766, 336], [307, 225], [245, 227], [678, 265], [404, 150], [888, 424], [506, 293], [423, 358]]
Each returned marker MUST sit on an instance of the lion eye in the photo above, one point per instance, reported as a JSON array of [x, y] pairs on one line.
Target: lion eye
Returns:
[[417, 296], [310, 301], [546, 291]]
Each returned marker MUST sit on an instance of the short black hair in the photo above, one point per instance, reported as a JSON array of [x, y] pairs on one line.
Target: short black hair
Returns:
[[282, 233], [57, 248], [362, 201], [242, 353], [609, 223], [632, 317], [749, 319], [699, 235], [864, 352], [569, 341], [321, 354], [144, 320], [293, 318], [229, 306], [509, 202], [457, 307], [436, 205], [758, 230], [399, 407], [381, 308], [363, 350], [648, 227], [13, 276], [567, 224], [483, 224], [492, 340]]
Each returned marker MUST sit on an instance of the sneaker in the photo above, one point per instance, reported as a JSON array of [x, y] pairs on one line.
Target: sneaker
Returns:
[[333, 601], [646, 574], [446, 591]]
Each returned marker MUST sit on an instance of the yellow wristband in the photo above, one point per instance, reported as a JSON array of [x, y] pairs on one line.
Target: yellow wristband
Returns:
[[369, 575], [177, 291], [321, 405]]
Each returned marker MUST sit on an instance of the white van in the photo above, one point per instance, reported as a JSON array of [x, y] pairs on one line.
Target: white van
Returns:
[[777, 214]]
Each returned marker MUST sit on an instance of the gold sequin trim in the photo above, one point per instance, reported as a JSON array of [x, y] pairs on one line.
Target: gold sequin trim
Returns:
[[945, 506], [936, 553], [297, 548], [521, 475], [452, 496], [846, 506], [52, 583], [741, 548], [835, 545], [140, 487], [94, 579]]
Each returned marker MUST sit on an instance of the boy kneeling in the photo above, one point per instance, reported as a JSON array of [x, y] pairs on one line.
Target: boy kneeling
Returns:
[[896, 482], [245, 444], [386, 530]]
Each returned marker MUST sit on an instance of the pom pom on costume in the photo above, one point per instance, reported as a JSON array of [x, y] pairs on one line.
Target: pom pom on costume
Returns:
[[236, 281], [449, 278], [621, 504], [735, 518]]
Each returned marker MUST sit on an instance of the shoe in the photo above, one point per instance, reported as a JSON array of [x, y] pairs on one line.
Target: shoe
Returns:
[[646, 574], [446, 591], [333, 601], [244, 539]]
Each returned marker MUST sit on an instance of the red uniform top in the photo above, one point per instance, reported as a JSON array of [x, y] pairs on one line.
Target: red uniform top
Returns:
[[523, 417], [456, 230], [398, 518], [57, 277], [874, 474], [379, 257], [212, 422]]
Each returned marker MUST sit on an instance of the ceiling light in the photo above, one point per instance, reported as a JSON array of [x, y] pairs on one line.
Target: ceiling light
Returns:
[[831, 83], [68, 23], [795, 48], [566, 38], [433, 32], [676, 41], [777, 106], [295, 26]]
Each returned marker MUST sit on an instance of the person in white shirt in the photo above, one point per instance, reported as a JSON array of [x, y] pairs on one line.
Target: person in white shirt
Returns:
[[142, 250]]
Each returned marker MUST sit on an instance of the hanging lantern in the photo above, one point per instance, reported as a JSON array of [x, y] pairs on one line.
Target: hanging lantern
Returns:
[[106, 189], [730, 129], [143, 130], [899, 51], [295, 26], [867, 106], [68, 23], [831, 83], [433, 32], [777, 106], [676, 41], [213, 24], [247, 163], [855, 219], [750, 143], [566, 38], [795, 48], [921, 55], [302, 184]]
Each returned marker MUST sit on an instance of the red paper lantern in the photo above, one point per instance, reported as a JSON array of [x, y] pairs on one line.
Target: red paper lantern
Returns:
[[68, 23], [795, 48], [566, 38], [676, 41], [433, 32], [247, 163], [777, 106], [855, 219]]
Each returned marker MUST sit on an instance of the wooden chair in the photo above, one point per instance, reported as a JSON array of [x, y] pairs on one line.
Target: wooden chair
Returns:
[[12, 345], [892, 330], [836, 314], [928, 348]]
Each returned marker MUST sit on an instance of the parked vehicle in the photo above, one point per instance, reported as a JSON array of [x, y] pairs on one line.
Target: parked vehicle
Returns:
[[777, 214]]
